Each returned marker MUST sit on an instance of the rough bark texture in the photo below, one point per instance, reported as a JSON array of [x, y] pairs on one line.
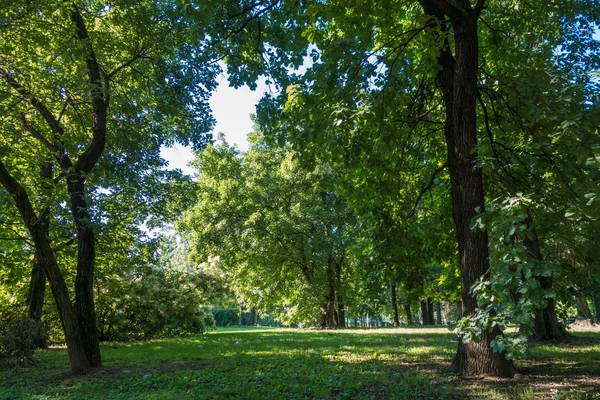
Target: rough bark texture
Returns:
[[45, 256], [395, 306], [457, 80], [84, 280]]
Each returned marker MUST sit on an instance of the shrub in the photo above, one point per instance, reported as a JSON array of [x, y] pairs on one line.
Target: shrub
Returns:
[[19, 337]]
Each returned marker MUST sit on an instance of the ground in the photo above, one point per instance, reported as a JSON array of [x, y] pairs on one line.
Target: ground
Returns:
[[266, 364]]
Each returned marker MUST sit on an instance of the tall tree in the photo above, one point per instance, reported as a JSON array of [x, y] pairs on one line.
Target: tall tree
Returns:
[[87, 80]]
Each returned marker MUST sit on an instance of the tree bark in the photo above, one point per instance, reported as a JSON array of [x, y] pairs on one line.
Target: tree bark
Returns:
[[84, 280], [409, 320], [430, 311], [45, 255], [424, 313], [583, 309], [438, 312], [546, 325], [341, 312], [37, 282], [457, 80], [597, 306], [395, 306]]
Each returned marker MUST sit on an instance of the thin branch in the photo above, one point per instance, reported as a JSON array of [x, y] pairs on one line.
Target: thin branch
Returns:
[[428, 187]]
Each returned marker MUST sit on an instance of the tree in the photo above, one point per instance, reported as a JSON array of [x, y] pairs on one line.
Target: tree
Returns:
[[276, 228], [370, 58], [82, 82]]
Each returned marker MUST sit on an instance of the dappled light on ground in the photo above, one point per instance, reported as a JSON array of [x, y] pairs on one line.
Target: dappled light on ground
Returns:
[[306, 364]]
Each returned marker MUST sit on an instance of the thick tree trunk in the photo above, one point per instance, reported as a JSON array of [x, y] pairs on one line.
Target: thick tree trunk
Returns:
[[45, 256], [84, 280], [438, 313], [597, 306], [409, 320], [395, 306], [457, 79], [583, 309]]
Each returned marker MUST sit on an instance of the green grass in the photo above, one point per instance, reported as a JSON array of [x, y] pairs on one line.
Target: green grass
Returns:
[[266, 363]]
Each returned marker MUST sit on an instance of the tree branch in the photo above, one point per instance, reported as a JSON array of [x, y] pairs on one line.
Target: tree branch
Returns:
[[426, 188]]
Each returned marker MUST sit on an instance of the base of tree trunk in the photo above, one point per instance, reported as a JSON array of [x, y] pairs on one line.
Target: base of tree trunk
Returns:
[[475, 359], [547, 327]]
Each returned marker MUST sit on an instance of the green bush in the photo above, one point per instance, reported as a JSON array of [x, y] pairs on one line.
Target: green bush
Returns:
[[19, 337]]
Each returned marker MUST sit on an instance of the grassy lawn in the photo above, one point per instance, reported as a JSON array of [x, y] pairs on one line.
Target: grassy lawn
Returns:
[[264, 363]]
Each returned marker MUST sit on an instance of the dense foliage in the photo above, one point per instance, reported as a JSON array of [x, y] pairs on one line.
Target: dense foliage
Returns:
[[416, 162]]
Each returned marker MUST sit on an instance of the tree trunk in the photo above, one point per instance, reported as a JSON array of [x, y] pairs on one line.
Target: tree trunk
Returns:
[[341, 312], [438, 312], [84, 280], [457, 79], [409, 320], [37, 282], [45, 256], [430, 311], [597, 306], [546, 325], [583, 309], [395, 306], [424, 313]]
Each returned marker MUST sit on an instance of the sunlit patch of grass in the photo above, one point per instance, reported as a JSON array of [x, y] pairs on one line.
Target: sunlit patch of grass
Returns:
[[269, 363]]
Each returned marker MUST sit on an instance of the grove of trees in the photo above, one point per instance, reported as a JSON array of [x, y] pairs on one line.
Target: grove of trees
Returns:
[[410, 156]]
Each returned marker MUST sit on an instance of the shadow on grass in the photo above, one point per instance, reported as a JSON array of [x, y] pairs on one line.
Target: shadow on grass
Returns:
[[286, 364]]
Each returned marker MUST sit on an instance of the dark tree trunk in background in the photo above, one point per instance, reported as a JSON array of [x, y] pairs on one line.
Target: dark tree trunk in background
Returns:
[[457, 80], [546, 324], [438, 312], [424, 313], [409, 320], [583, 309], [597, 306], [395, 306], [430, 312], [341, 312]]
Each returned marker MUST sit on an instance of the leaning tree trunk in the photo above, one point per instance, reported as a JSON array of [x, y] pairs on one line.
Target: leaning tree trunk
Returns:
[[45, 256], [546, 324], [395, 305], [457, 79]]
